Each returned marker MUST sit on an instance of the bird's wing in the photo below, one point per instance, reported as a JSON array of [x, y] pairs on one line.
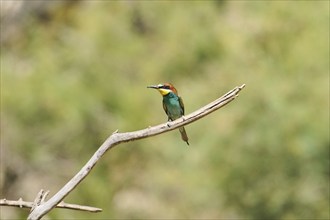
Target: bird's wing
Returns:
[[181, 105]]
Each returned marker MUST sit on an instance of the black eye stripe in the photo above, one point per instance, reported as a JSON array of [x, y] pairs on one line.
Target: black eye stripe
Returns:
[[164, 87]]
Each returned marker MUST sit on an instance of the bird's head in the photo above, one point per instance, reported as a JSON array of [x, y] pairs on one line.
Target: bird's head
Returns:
[[164, 89]]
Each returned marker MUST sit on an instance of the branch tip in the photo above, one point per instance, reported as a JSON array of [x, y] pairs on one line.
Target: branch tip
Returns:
[[20, 202], [44, 196]]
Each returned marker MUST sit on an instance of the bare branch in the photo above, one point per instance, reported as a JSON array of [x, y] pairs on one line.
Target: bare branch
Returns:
[[24, 204], [117, 138], [40, 198]]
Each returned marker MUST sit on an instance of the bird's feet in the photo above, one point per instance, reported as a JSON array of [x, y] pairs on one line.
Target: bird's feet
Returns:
[[168, 124]]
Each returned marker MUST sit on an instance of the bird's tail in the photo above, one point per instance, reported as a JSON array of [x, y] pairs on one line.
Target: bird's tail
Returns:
[[184, 135]]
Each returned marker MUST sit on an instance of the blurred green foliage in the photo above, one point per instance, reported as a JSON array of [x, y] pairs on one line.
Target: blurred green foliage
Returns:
[[69, 81]]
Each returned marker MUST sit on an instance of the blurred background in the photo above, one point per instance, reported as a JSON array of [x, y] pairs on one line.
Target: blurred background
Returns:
[[72, 72]]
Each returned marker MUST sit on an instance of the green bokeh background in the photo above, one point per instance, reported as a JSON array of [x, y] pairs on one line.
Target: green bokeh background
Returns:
[[75, 73]]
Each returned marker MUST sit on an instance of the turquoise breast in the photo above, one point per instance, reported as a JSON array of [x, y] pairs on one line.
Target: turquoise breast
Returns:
[[171, 101]]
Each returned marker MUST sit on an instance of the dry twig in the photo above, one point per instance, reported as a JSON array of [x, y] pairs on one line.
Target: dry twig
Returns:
[[116, 138], [24, 204]]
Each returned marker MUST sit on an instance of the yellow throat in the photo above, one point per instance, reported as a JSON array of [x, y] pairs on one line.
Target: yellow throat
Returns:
[[164, 92]]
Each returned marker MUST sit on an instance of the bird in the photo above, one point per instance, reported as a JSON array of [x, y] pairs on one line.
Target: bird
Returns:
[[172, 104]]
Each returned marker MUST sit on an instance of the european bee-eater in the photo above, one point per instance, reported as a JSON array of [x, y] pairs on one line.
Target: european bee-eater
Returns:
[[172, 104]]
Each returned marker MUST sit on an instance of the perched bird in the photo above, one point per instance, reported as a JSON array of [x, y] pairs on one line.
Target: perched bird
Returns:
[[172, 104]]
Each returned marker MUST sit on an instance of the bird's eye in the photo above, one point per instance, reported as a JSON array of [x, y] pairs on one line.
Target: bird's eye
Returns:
[[166, 87]]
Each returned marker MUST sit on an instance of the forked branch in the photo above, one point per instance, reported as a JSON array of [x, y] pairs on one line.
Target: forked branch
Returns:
[[116, 138], [29, 205]]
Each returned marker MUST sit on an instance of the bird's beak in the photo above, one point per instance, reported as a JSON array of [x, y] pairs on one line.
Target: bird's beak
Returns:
[[152, 87]]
